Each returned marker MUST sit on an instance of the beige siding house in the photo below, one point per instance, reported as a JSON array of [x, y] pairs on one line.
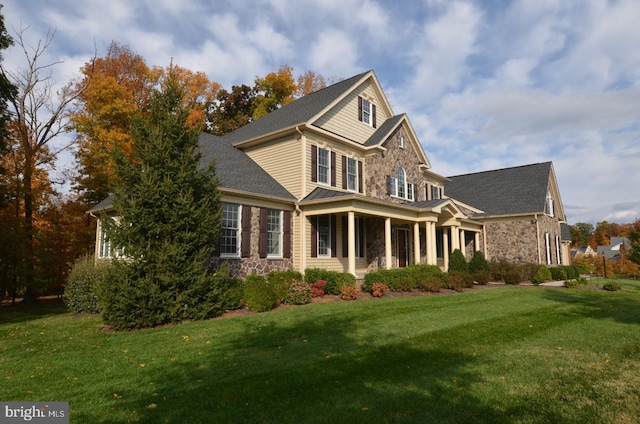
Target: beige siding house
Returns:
[[336, 180]]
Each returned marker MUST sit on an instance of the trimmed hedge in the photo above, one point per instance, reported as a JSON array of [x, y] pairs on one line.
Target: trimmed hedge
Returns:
[[335, 280], [259, 296], [423, 277]]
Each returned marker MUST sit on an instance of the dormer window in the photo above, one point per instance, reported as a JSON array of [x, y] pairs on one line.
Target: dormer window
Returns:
[[366, 112]]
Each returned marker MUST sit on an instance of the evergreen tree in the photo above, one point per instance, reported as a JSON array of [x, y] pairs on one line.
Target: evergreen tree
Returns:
[[168, 212], [457, 262], [478, 262]]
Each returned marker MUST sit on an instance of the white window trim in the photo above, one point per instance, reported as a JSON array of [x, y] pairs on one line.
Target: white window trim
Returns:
[[328, 252], [558, 250], [280, 234], [328, 181], [367, 113], [238, 229], [401, 142], [549, 211], [547, 245], [356, 164], [407, 187]]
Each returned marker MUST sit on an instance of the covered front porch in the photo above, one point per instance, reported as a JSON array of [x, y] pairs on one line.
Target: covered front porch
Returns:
[[358, 235]]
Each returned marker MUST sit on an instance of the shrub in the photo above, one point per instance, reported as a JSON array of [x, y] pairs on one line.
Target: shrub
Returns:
[[258, 295], [424, 277], [571, 284], [232, 294], [558, 273], [498, 269], [453, 281], [348, 293], [478, 262], [317, 288], [542, 274], [281, 281], [457, 262], [379, 289], [81, 290], [299, 293], [335, 280], [513, 274], [482, 276], [612, 286]]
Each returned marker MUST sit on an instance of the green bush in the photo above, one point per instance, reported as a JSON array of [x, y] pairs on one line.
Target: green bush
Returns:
[[612, 286], [558, 273], [81, 290], [514, 274], [478, 262], [457, 262], [335, 280], [454, 281], [542, 274], [571, 284], [498, 269], [299, 293], [424, 277], [281, 281], [259, 296], [482, 276]]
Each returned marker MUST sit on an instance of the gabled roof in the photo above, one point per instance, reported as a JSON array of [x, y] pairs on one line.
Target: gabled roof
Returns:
[[507, 191], [237, 171], [295, 113]]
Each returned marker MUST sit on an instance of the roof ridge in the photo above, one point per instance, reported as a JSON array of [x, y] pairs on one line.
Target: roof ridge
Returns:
[[501, 169]]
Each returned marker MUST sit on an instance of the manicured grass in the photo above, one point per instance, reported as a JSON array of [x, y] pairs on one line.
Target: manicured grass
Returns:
[[499, 355]]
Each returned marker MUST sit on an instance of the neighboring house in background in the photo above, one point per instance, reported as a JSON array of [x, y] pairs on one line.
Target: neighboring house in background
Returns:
[[336, 180], [583, 251], [615, 250]]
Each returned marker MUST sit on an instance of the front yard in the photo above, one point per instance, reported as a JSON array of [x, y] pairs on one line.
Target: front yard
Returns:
[[502, 354]]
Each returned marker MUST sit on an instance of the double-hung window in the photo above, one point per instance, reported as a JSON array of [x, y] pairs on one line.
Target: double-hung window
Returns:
[[366, 111], [230, 234], [324, 166], [324, 235], [274, 232], [352, 174]]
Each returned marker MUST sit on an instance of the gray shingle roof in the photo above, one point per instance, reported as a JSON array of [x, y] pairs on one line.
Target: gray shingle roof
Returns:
[[507, 191], [294, 113], [237, 171], [381, 133]]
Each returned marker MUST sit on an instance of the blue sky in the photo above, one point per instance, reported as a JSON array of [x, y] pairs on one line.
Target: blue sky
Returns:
[[486, 84]]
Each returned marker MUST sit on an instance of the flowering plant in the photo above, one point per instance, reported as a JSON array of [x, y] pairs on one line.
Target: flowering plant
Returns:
[[379, 289]]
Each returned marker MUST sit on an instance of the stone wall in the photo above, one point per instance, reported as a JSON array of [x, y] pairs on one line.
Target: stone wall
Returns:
[[512, 240], [254, 264]]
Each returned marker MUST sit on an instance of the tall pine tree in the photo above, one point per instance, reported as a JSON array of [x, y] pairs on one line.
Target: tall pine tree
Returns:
[[168, 212]]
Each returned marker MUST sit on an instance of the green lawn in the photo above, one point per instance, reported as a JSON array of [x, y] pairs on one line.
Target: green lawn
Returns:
[[504, 354]]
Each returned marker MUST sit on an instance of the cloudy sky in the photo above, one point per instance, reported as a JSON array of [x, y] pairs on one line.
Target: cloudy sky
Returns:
[[486, 84]]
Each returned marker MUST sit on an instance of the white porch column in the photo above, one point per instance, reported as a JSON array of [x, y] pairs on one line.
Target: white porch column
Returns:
[[446, 248], [476, 245], [463, 243], [455, 238], [433, 244], [427, 241], [304, 249], [351, 243], [387, 243], [416, 243]]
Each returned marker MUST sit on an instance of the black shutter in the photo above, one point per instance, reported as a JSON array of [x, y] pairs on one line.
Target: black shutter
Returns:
[[373, 114], [334, 242], [314, 164], [360, 177], [415, 193], [426, 191], [286, 236], [389, 182], [262, 244], [359, 108], [345, 236], [245, 245], [344, 172], [333, 169], [314, 237]]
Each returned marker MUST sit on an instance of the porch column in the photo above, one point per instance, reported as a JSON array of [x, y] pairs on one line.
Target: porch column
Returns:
[[387, 243], [455, 238], [304, 249], [476, 241], [433, 252], [463, 243], [416, 243], [445, 247], [351, 243], [427, 241]]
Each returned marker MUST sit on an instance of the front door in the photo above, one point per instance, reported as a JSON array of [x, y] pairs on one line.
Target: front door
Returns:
[[402, 247]]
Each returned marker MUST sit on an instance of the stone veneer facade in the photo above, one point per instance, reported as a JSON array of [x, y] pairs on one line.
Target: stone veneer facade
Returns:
[[254, 264]]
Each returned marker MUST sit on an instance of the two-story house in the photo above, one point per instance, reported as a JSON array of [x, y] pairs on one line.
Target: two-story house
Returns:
[[333, 180]]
